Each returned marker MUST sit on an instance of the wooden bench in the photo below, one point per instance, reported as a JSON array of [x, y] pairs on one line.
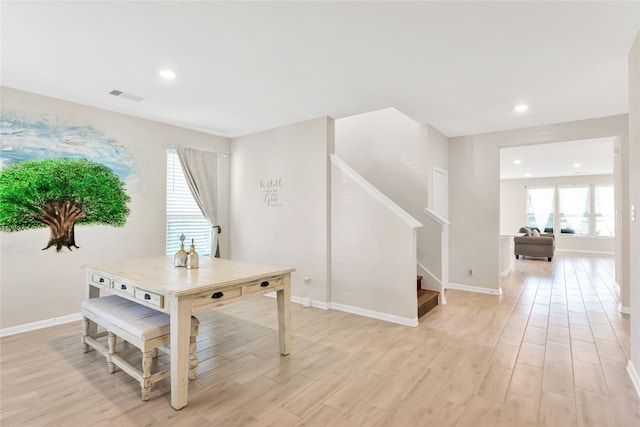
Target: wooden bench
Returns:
[[141, 326]]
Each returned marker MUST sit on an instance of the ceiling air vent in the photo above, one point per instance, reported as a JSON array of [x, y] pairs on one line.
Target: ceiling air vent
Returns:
[[121, 94]]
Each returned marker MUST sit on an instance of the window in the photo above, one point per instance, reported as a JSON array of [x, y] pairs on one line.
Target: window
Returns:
[[540, 208], [574, 209], [582, 210], [183, 213], [603, 210]]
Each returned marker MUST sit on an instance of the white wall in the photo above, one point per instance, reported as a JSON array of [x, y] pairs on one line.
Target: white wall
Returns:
[[437, 157], [392, 152], [474, 213], [634, 200], [513, 211], [389, 150], [38, 285], [474, 191], [294, 229], [373, 251]]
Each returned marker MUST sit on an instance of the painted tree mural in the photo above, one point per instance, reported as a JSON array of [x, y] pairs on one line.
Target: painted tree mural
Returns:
[[59, 193]]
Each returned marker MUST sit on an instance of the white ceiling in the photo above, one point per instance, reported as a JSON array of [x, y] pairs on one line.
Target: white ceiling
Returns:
[[243, 67], [585, 157]]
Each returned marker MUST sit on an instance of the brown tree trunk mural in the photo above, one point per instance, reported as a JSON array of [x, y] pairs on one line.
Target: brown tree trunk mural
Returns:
[[61, 217]]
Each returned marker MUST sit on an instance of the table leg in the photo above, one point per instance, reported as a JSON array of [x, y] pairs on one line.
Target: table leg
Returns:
[[180, 331], [92, 292], [284, 315]]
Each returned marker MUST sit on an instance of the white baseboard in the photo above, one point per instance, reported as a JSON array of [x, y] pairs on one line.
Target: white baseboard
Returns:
[[355, 310], [315, 304], [374, 314], [476, 289], [299, 300], [580, 251], [624, 310], [635, 378], [12, 330]]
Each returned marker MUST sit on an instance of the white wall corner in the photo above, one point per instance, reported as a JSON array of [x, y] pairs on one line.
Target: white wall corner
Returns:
[[635, 378], [12, 330], [476, 289]]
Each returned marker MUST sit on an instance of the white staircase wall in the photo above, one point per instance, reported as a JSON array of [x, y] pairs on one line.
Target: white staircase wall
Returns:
[[397, 155], [373, 250]]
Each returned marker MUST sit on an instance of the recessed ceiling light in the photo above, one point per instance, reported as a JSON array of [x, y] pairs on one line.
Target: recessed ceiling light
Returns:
[[576, 165], [521, 108], [517, 162], [167, 74]]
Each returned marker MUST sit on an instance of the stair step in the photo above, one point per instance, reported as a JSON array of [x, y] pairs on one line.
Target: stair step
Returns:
[[427, 300]]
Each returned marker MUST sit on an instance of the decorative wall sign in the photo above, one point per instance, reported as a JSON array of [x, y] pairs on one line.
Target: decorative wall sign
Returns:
[[48, 180], [271, 192]]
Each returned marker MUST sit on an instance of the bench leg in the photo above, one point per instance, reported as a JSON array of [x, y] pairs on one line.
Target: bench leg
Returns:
[[111, 367], [193, 360], [147, 358], [85, 334]]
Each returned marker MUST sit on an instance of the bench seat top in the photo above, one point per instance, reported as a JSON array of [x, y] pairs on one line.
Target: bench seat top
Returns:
[[139, 320]]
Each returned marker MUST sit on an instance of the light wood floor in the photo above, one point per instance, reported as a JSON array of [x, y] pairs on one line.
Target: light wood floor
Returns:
[[551, 351]]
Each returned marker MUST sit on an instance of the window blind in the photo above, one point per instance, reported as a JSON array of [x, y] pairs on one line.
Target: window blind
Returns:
[[183, 213]]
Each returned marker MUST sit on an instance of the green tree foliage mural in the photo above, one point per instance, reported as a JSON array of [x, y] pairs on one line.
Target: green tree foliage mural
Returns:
[[59, 193]]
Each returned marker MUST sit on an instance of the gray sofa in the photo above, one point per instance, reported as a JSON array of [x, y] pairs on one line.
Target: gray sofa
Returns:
[[534, 246]]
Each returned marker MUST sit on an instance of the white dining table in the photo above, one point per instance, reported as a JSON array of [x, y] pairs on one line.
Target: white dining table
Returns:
[[181, 292]]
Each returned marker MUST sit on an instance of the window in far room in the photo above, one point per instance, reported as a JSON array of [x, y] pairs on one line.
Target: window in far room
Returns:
[[575, 210], [183, 213], [585, 210], [540, 208]]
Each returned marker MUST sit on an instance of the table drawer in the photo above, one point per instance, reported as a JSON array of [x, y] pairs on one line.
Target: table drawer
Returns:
[[265, 285], [150, 298], [121, 287], [215, 297], [99, 280]]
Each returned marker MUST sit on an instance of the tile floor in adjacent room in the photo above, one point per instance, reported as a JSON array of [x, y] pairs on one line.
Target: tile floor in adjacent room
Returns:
[[551, 351]]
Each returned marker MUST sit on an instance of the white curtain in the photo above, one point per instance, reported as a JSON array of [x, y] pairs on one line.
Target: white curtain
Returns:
[[201, 172], [541, 200]]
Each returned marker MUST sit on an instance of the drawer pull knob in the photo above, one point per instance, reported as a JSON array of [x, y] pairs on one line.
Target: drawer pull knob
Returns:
[[264, 284], [217, 295], [123, 287], [147, 296]]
